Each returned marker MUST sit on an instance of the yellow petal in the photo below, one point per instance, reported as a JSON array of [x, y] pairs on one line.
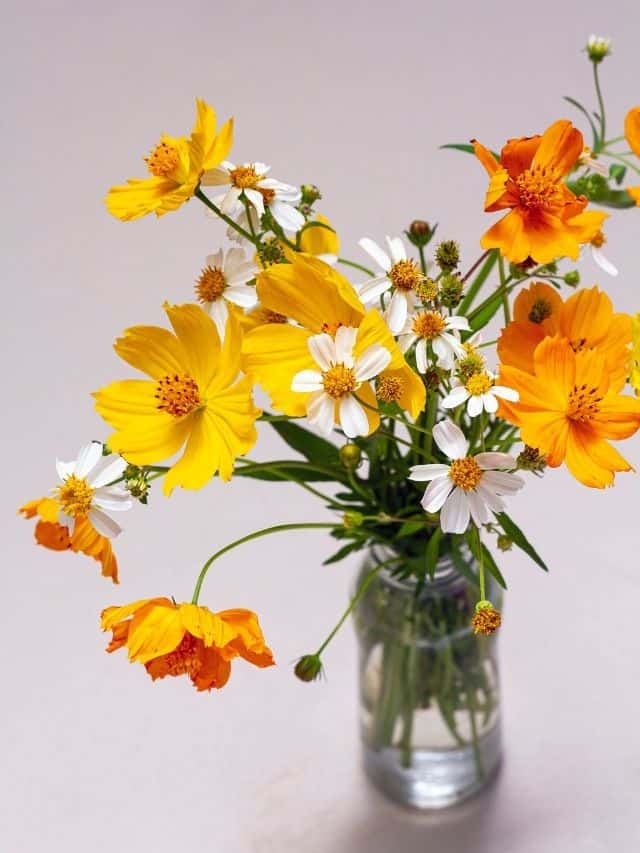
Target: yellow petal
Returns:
[[150, 440], [220, 147], [199, 337], [632, 129], [153, 350], [112, 615], [201, 622], [140, 196], [154, 631], [121, 401], [317, 240]]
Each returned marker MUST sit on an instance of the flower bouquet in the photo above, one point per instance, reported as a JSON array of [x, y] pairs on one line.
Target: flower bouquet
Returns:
[[412, 416]]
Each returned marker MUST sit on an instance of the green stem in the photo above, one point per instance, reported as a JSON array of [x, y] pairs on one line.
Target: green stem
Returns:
[[214, 207], [356, 266], [503, 289], [248, 463], [481, 578], [603, 121], [266, 531], [423, 260], [628, 163]]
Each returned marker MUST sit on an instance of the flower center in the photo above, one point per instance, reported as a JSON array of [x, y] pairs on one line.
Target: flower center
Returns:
[[184, 659], [540, 310], [339, 381], [211, 284], [389, 389], [75, 496], [538, 188], [267, 195], [245, 177], [332, 328], [177, 395], [163, 160], [268, 316], [405, 275], [429, 324], [584, 403], [478, 383], [465, 473], [599, 240]]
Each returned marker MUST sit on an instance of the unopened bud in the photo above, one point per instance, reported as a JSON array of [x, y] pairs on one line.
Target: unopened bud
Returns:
[[451, 288], [504, 543], [419, 232], [448, 255], [598, 47], [352, 519], [572, 278], [308, 668], [350, 455], [310, 193]]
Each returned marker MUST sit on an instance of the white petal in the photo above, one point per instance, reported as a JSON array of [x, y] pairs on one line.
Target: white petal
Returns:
[[112, 501], [450, 439], [493, 461], [219, 314], [229, 202], [323, 350], [321, 412], [110, 468], [603, 262], [287, 217], [216, 177], [454, 517], [492, 500], [443, 351], [457, 322], [88, 458], [65, 469], [242, 295], [455, 397], [502, 483], [328, 258], [307, 380], [421, 356], [344, 342], [423, 473], [396, 313], [235, 257], [353, 418], [372, 362], [480, 512], [215, 260], [373, 250], [405, 342], [396, 249], [370, 291], [436, 494], [453, 341], [242, 274], [490, 402], [506, 393], [256, 199], [474, 406], [105, 525]]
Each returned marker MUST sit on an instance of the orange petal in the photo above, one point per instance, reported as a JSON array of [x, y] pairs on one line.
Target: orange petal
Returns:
[[486, 157], [632, 129], [52, 535], [593, 461], [507, 235], [517, 154], [560, 147]]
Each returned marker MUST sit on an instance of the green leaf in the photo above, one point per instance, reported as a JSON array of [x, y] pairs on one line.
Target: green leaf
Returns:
[[483, 553], [518, 538], [293, 472], [583, 110], [465, 147], [617, 172], [411, 527], [432, 552], [477, 283], [311, 446], [479, 318], [343, 552]]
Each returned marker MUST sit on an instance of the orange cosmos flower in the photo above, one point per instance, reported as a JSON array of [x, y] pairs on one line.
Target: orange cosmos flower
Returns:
[[186, 639], [632, 129], [545, 220], [586, 320], [569, 407], [84, 538]]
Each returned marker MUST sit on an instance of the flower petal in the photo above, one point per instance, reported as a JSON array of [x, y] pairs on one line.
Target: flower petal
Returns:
[[450, 439], [323, 349], [454, 517], [307, 380], [436, 493], [372, 362], [353, 418], [379, 255], [493, 461], [423, 473]]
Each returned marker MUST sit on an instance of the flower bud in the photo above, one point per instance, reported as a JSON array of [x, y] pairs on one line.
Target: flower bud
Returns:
[[308, 668], [419, 232], [451, 288], [271, 252], [448, 255], [350, 455], [486, 620], [572, 278], [504, 543], [310, 193], [352, 519], [426, 290], [530, 459], [598, 47]]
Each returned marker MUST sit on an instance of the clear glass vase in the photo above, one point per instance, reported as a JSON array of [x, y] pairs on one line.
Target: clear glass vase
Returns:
[[429, 699]]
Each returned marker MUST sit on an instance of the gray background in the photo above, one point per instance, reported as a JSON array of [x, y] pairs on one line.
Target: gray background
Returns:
[[355, 97]]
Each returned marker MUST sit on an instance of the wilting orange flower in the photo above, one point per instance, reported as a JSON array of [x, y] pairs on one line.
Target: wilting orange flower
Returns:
[[586, 320], [546, 220], [632, 129], [569, 407], [186, 639], [85, 539]]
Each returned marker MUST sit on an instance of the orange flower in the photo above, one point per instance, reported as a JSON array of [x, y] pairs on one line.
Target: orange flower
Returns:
[[569, 407], [186, 639], [586, 320], [546, 220], [632, 129], [634, 192], [85, 539]]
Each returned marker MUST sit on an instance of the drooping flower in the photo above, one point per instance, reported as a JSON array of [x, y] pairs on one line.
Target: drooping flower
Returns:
[[176, 165], [320, 300], [186, 639], [632, 129], [480, 392], [441, 332], [194, 398], [545, 220], [335, 386], [570, 406], [598, 255], [470, 486], [397, 273], [224, 280], [249, 181]]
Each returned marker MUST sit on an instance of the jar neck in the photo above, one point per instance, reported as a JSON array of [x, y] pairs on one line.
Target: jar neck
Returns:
[[446, 577]]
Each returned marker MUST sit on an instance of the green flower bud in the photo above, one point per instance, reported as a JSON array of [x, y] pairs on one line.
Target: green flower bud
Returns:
[[597, 48], [310, 193], [504, 543], [426, 290], [448, 255], [419, 232], [352, 519], [308, 668], [350, 455], [572, 278], [451, 288]]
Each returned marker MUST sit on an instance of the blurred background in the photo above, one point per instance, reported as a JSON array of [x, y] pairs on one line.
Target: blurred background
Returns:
[[355, 97]]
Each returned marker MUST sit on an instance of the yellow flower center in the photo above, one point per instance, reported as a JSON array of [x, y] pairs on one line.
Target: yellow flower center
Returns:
[[389, 389], [429, 324], [184, 659], [540, 310], [599, 240], [538, 188], [163, 160], [584, 403], [266, 315], [405, 275], [478, 384], [331, 328], [75, 496], [339, 381], [211, 284], [177, 395], [245, 177], [465, 473]]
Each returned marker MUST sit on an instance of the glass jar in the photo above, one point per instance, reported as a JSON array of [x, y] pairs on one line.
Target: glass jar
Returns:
[[429, 699]]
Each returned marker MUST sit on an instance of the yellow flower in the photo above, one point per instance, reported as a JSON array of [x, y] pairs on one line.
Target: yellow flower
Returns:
[[634, 192], [186, 639], [176, 165], [321, 242], [321, 300], [632, 129], [194, 398], [635, 355]]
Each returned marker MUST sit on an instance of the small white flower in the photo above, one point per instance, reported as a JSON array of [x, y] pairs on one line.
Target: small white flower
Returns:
[[224, 279], [598, 47], [481, 392], [598, 256], [333, 388], [250, 181], [470, 487], [84, 490], [588, 161], [397, 272], [442, 332]]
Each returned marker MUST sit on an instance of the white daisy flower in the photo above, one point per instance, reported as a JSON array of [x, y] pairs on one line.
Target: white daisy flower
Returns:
[[443, 333], [481, 392], [249, 181], [600, 259], [589, 161], [470, 487], [333, 387], [85, 491], [224, 279], [397, 271]]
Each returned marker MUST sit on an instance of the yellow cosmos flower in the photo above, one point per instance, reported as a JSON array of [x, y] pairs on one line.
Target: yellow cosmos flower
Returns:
[[321, 242], [545, 220], [186, 639], [320, 299], [176, 165], [635, 355], [194, 399], [569, 407], [632, 129]]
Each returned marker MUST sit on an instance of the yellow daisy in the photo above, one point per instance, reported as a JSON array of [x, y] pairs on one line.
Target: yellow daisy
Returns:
[[176, 165], [194, 399]]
